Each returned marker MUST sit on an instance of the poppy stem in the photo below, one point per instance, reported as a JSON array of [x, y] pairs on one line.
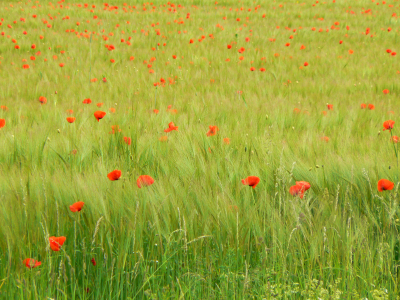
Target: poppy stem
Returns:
[[396, 153]]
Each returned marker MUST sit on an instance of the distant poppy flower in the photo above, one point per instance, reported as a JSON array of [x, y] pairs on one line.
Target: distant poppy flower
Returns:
[[87, 101], [93, 261], [171, 126], [3, 107], [112, 110], [99, 115], [363, 105], [330, 106], [163, 139], [351, 51], [302, 47], [114, 175], [42, 100], [306, 64], [25, 66], [227, 141], [385, 185], [388, 125], [296, 190], [56, 242], [252, 69], [61, 65], [77, 206], [325, 138], [156, 111], [229, 46], [395, 139], [251, 181], [304, 185], [388, 51], [213, 130], [127, 140], [385, 91], [393, 53], [31, 263], [2, 123], [340, 42], [144, 180], [371, 106], [99, 104], [71, 119]]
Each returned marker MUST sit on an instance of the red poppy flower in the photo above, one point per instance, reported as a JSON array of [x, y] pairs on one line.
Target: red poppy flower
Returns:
[[156, 111], [229, 46], [371, 106], [61, 65], [395, 139], [87, 101], [56, 242], [251, 181], [330, 106], [77, 206], [2, 123], [93, 261], [114, 175], [393, 53], [388, 51], [325, 138], [71, 119], [388, 125], [296, 190], [171, 126], [227, 141], [99, 115], [42, 100], [213, 130], [31, 263], [306, 64], [252, 69], [304, 185], [3, 107], [363, 105], [385, 91], [385, 185], [127, 140], [340, 42], [144, 180]]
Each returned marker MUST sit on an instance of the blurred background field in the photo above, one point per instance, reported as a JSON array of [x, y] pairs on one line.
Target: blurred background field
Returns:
[[198, 232]]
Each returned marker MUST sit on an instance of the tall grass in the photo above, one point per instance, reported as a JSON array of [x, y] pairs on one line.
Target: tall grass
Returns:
[[197, 232]]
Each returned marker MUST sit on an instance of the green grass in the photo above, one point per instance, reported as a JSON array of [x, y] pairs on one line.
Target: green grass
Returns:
[[198, 232]]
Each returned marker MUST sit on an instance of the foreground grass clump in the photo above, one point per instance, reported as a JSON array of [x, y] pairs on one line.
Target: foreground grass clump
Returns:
[[199, 150]]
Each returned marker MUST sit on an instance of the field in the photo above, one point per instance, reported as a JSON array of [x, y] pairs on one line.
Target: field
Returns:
[[299, 95]]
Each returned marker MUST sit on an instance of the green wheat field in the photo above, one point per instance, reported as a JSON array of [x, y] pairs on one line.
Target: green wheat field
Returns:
[[130, 132]]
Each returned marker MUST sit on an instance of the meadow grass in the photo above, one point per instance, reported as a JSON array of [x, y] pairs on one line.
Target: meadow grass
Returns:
[[198, 232]]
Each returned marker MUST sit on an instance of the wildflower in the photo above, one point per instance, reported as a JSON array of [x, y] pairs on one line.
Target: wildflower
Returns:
[[251, 181], [77, 206], [144, 180], [114, 175], [56, 242], [385, 185]]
